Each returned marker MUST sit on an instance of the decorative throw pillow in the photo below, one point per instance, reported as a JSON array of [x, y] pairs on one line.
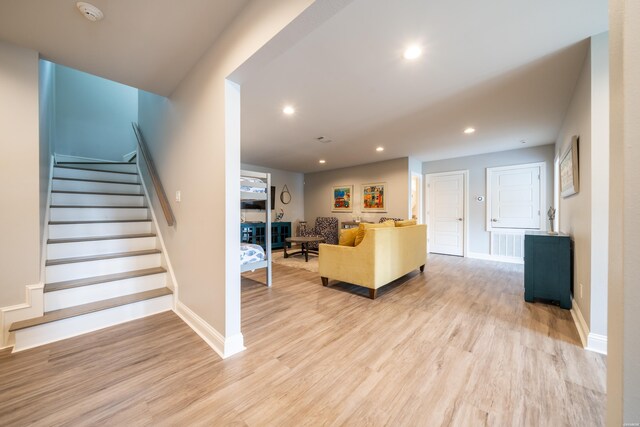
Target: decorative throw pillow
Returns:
[[406, 223], [348, 237], [362, 229]]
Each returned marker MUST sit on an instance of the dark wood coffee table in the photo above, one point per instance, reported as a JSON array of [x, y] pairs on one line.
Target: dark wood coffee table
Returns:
[[304, 245]]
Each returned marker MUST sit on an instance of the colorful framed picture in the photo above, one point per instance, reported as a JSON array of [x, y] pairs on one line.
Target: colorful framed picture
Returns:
[[569, 172], [374, 197], [342, 198]]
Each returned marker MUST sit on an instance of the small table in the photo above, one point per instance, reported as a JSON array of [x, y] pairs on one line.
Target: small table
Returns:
[[304, 244]]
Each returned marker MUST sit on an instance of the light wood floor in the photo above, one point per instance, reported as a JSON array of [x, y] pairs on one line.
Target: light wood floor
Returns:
[[455, 346]]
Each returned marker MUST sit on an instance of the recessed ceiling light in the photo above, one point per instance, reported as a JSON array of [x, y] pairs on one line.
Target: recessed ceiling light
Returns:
[[288, 110], [380, 149], [412, 52], [469, 130], [322, 161], [522, 141], [89, 11]]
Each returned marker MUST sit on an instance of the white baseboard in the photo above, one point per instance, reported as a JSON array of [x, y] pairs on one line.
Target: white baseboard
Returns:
[[581, 324], [34, 307], [597, 343], [225, 347], [488, 257], [590, 341]]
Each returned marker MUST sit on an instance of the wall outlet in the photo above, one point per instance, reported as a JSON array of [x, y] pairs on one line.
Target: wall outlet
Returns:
[[178, 196], [580, 290]]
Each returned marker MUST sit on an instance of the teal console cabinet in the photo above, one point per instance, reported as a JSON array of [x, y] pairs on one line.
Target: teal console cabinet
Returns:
[[548, 268], [255, 232]]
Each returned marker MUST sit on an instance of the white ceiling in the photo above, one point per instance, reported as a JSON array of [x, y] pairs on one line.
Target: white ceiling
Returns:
[[148, 44], [507, 68]]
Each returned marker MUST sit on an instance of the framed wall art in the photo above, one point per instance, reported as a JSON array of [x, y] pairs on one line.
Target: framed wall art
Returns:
[[342, 198], [374, 197], [569, 171]]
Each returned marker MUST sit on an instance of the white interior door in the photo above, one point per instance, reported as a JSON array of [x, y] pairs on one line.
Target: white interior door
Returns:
[[446, 213], [515, 197]]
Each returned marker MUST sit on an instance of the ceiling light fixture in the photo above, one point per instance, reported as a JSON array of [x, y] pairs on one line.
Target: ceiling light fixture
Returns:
[[412, 52], [288, 110], [522, 141], [469, 131], [89, 11], [380, 149], [322, 161]]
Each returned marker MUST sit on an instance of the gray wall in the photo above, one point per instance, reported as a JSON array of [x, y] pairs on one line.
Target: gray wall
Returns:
[[318, 190], [193, 137], [585, 215], [19, 173], [479, 238], [93, 116], [575, 211], [294, 211]]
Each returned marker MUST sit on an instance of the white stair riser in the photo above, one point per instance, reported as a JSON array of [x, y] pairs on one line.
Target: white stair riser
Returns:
[[67, 231], [80, 270], [99, 247], [95, 200], [67, 328], [86, 174], [96, 214], [95, 187], [131, 167], [101, 291]]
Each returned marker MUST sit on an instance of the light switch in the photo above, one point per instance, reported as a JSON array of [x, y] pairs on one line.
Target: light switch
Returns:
[[178, 196]]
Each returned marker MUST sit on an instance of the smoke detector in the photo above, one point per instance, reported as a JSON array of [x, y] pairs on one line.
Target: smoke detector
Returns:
[[323, 139], [89, 11]]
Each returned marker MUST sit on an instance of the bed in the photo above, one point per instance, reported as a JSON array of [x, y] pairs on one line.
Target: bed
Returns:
[[253, 186]]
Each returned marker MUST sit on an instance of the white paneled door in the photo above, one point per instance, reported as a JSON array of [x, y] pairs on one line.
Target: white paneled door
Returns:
[[446, 213], [515, 197]]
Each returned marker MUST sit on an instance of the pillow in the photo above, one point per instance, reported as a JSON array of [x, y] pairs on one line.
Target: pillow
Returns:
[[348, 237], [406, 223], [362, 229]]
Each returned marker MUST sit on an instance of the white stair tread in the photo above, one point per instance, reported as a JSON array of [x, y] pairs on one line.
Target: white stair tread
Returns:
[[95, 170], [96, 207], [69, 284], [95, 180], [79, 310], [92, 239], [106, 221], [94, 163], [101, 257], [96, 193]]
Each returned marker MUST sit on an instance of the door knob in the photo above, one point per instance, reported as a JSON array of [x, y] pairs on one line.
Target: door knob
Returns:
[[494, 219], [459, 219]]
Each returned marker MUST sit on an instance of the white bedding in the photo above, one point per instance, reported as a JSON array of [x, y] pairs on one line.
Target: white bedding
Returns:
[[250, 253], [248, 189]]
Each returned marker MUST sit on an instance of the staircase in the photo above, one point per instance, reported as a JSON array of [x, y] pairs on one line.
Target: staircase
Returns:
[[104, 265]]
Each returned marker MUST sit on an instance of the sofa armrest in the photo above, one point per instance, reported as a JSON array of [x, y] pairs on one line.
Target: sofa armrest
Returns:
[[347, 263]]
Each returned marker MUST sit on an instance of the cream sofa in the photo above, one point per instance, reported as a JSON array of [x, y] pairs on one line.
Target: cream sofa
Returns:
[[384, 255]]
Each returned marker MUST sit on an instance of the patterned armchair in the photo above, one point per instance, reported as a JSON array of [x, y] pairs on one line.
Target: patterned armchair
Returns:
[[325, 226], [383, 219]]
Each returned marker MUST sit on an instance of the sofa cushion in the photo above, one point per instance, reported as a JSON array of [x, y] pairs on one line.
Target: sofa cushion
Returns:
[[406, 223], [348, 237], [363, 227]]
